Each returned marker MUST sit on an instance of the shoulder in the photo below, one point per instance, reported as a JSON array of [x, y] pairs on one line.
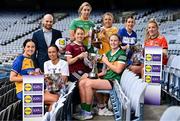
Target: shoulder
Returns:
[[18, 61], [134, 33], [19, 58], [76, 20], [57, 31], [71, 44], [37, 32], [122, 55], [122, 30], [63, 62], [92, 22], [47, 62], [161, 37], [122, 52]]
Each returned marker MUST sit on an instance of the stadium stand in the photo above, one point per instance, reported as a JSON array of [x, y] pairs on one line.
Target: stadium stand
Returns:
[[15, 28]]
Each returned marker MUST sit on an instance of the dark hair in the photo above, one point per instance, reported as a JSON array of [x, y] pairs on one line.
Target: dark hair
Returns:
[[28, 40], [79, 28], [127, 17], [53, 45]]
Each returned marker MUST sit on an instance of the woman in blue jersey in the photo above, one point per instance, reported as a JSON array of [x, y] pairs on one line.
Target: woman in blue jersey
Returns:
[[128, 36], [23, 65]]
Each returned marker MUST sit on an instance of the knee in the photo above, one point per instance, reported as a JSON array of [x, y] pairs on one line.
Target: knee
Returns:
[[88, 84], [82, 83]]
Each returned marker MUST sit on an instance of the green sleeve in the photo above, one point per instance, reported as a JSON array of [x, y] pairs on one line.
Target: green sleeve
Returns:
[[122, 57]]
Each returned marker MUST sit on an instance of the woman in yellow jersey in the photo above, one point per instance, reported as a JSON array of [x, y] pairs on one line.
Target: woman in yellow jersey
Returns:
[[106, 31]]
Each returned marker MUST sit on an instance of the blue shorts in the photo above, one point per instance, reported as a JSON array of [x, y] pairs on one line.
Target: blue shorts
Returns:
[[19, 95]]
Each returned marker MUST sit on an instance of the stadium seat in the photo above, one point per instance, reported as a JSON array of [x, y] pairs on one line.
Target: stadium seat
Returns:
[[171, 114]]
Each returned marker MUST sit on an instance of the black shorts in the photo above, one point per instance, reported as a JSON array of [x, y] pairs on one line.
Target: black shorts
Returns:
[[75, 76], [111, 82]]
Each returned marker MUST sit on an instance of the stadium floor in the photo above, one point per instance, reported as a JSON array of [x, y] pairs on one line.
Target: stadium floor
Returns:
[[151, 113]]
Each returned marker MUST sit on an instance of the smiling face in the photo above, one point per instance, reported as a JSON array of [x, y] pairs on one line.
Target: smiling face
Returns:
[[47, 22], [107, 21], [152, 29], [130, 22], [79, 35], [85, 12], [53, 53], [29, 49], [114, 42]]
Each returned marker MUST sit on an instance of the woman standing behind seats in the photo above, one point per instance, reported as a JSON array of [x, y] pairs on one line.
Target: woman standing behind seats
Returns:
[[23, 65], [128, 36], [106, 31], [83, 22], [54, 65], [154, 38]]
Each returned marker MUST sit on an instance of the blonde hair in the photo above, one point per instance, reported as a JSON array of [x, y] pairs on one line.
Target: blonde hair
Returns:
[[152, 20], [108, 14], [82, 6]]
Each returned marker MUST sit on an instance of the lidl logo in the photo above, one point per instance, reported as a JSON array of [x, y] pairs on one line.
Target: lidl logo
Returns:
[[148, 57], [28, 99], [27, 87], [61, 42], [27, 111], [148, 79], [148, 68]]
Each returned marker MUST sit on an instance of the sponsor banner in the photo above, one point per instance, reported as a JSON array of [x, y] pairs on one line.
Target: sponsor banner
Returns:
[[33, 97], [153, 64], [152, 74]]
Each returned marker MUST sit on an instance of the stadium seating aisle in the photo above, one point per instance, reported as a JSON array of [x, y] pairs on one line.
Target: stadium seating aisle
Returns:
[[10, 107]]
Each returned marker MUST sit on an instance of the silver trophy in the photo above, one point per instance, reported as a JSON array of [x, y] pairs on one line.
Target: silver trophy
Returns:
[[55, 82], [93, 58], [137, 56]]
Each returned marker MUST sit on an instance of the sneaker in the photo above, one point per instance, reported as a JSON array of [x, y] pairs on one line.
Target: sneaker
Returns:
[[95, 110], [105, 112], [78, 115], [83, 115]]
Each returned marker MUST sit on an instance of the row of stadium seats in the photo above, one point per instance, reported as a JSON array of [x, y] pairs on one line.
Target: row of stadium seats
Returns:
[[10, 107], [126, 104], [171, 77]]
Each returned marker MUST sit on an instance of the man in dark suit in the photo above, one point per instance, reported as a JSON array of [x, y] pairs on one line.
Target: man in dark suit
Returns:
[[44, 38]]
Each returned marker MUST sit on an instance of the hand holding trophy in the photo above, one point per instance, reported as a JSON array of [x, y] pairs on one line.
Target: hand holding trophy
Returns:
[[94, 58], [54, 82]]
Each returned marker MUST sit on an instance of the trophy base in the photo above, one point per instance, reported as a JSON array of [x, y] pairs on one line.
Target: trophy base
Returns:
[[92, 76], [54, 91]]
